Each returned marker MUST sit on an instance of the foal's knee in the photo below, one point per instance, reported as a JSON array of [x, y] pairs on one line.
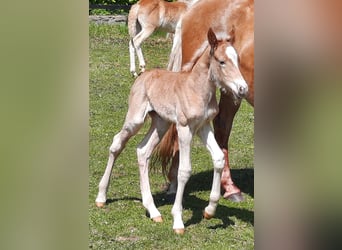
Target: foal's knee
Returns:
[[141, 155], [218, 161], [118, 143], [183, 175]]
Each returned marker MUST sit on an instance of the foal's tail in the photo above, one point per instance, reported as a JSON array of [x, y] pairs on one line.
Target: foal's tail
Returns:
[[166, 149], [133, 23]]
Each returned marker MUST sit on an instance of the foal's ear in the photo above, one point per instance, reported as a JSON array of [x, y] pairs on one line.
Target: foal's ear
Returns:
[[212, 40]]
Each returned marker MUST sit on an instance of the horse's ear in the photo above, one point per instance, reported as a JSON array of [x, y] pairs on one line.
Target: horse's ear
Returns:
[[212, 40], [232, 34]]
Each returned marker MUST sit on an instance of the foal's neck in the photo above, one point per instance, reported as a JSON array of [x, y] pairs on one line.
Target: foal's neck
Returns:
[[200, 72]]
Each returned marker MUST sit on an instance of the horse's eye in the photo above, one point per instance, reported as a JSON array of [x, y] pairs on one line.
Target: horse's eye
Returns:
[[222, 63]]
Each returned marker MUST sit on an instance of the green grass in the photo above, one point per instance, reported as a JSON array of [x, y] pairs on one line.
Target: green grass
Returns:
[[123, 223]]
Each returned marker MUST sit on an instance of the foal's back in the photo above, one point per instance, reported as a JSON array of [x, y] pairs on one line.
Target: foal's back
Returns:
[[177, 97], [160, 88]]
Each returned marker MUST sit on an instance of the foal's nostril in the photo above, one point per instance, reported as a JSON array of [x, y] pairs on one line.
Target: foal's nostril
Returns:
[[242, 91]]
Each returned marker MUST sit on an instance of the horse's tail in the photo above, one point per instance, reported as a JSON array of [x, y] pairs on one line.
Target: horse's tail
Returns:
[[133, 23], [166, 149]]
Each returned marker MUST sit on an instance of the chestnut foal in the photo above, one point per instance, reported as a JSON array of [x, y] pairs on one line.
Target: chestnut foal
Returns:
[[187, 99], [145, 17]]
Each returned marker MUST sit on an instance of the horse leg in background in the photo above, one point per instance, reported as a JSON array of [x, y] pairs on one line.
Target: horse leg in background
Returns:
[[132, 58], [157, 130], [175, 58], [222, 126], [184, 172], [172, 175], [145, 32], [207, 136]]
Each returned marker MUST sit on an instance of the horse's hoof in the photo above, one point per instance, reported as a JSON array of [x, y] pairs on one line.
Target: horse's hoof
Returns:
[[237, 197], [142, 69], [179, 231], [100, 204], [207, 216], [158, 219]]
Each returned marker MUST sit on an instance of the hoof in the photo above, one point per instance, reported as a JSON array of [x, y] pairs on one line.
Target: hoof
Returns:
[[207, 216], [237, 197], [179, 231], [142, 69], [158, 219], [100, 204]]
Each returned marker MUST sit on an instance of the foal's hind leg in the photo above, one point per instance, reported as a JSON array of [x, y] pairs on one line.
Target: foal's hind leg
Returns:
[[144, 151], [132, 58], [134, 121], [137, 41]]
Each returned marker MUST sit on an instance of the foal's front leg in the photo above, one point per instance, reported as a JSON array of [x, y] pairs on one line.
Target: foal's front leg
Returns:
[[208, 138], [184, 172]]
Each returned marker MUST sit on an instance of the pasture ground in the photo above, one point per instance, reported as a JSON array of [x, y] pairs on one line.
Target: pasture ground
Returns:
[[123, 223]]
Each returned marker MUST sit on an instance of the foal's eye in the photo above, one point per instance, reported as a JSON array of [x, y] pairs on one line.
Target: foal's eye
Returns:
[[222, 63]]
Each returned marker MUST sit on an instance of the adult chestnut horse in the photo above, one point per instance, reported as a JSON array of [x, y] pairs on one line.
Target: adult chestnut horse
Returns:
[[189, 44]]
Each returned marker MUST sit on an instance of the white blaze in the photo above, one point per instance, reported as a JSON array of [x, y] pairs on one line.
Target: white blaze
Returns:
[[232, 55]]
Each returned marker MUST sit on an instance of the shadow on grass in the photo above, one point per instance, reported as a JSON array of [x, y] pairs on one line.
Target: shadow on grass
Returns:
[[243, 178], [222, 212], [126, 198]]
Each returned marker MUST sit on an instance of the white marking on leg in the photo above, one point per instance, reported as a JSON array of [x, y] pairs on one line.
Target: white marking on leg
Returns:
[[184, 172], [116, 147], [157, 130], [132, 57], [207, 136]]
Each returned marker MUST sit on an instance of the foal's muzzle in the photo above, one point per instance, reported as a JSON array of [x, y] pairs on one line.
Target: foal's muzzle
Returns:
[[242, 89]]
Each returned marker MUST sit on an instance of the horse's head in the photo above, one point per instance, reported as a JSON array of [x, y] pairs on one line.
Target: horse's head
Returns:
[[224, 69]]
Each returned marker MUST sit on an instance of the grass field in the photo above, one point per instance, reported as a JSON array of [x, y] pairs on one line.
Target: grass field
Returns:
[[123, 223]]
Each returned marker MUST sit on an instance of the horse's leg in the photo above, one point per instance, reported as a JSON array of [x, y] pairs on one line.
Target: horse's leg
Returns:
[[175, 58], [132, 58], [222, 126], [157, 130], [145, 32], [184, 172], [172, 175], [134, 121], [207, 136]]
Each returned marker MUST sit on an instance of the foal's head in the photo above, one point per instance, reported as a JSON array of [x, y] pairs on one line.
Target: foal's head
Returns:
[[224, 69]]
